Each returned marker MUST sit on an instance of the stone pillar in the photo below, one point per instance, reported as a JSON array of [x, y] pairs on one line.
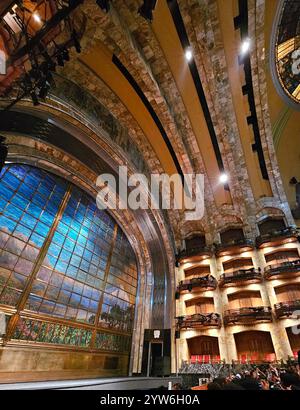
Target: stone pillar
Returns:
[[231, 347], [280, 341], [222, 339]]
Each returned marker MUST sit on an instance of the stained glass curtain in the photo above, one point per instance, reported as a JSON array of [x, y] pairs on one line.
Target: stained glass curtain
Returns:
[[82, 280]]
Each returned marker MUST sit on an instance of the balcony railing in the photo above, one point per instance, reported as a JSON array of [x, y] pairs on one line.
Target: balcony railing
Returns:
[[247, 315], [199, 320], [193, 253], [205, 283], [240, 276], [276, 235], [234, 245], [286, 309], [282, 268]]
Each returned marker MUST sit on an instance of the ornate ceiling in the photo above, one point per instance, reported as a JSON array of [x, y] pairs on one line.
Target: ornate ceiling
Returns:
[[161, 113]]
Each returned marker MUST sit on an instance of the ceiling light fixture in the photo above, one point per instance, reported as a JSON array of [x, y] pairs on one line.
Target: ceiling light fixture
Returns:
[[245, 47], [37, 18], [223, 178], [188, 54]]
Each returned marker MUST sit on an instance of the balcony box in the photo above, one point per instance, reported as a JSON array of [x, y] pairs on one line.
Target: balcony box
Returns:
[[277, 237], [198, 321], [203, 283], [240, 277], [283, 270], [195, 254], [234, 246], [248, 315], [287, 309]]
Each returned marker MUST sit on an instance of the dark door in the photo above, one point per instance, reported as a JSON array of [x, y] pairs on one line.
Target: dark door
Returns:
[[156, 359]]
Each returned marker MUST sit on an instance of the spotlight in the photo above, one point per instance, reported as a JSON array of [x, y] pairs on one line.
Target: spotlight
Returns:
[[146, 10], [37, 18], [104, 5], [245, 47], [188, 54], [34, 98], [223, 178], [3, 152], [76, 42]]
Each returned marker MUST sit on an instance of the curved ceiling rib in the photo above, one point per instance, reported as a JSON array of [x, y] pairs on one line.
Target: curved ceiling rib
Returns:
[[166, 33], [100, 61]]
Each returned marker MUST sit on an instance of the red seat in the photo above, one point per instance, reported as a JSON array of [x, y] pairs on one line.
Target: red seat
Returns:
[[206, 358], [243, 358], [193, 359], [270, 357], [254, 357]]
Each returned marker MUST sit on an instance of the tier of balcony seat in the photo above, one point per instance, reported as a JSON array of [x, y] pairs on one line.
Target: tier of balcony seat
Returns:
[[248, 315], [276, 236], [207, 282], [282, 269], [194, 254], [199, 320], [240, 277], [287, 309], [234, 246]]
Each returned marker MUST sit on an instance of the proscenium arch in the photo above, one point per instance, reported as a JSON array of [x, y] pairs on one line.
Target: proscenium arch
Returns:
[[79, 147]]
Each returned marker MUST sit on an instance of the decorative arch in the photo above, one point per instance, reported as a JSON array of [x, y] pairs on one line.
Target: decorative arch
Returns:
[[254, 346]]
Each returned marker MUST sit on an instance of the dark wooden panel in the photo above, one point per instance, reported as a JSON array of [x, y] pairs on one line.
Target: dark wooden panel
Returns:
[[203, 345]]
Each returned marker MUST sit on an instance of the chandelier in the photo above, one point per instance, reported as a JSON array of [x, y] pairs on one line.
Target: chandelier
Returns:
[[35, 38]]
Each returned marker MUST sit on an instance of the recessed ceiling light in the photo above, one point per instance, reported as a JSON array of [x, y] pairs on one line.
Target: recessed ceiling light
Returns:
[[36, 18], [245, 47], [188, 54], [223, 178]]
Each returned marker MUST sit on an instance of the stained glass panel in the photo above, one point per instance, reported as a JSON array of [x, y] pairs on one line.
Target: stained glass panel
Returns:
[[27, 211]]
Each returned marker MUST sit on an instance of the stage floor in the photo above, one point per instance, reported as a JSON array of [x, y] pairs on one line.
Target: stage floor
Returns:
[[122, 383]]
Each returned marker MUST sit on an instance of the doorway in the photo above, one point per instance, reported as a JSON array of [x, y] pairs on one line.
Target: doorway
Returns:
[[155, 360]]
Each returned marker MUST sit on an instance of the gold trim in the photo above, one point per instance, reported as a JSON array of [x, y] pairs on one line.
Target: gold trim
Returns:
[[106, 273]]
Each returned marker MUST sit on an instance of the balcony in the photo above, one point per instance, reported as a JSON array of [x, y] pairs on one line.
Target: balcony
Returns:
[[199, 320], [195, 254], [240, 277], [248, 315], [287, 309], [282, 270], [203, 283], [234, 246], [277, 237]]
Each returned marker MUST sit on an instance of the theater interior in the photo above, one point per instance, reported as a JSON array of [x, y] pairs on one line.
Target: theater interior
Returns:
[[93, 297]]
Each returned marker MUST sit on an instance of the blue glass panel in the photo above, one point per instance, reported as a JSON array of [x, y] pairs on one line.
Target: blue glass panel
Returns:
[[7, 223], [37, 240], [18, 171], [34, 210], [58, 238], [26, 191], [47, 218], [13, 212], [11, 180]]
